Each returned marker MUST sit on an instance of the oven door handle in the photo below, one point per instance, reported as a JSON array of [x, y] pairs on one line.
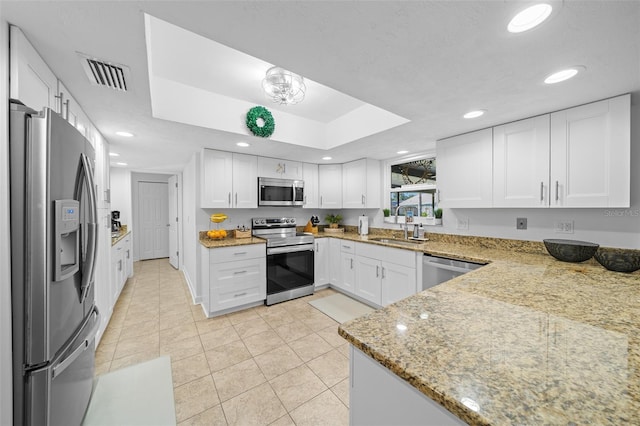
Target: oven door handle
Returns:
[[290, 249]]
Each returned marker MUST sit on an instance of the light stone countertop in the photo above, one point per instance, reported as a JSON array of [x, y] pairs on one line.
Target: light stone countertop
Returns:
[[228, 242], [527, 338], [121, 235]]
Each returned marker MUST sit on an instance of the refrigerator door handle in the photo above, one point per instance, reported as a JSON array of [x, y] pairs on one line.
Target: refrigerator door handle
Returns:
[[85, 175], [65, 363]]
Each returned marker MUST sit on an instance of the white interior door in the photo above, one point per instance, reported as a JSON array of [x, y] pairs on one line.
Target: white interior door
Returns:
[[153, 205], [173, 221]]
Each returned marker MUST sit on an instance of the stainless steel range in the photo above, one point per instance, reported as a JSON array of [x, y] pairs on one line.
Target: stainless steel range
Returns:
[[290, 262]]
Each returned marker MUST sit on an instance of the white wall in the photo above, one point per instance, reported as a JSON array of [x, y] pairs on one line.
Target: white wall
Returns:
[[6, 391], [190, 191], [607, 227], [121, 200]]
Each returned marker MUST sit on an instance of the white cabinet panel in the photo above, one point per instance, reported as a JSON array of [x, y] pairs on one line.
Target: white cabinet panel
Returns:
[[398, 282], [465, 170], [32, 81], [361, 185], [310, 178], [228, 180], [521, 163], [368, 279], [245, 181], [335, 272], [348, 272], [590, 155], [330, 186], [279, 169], [217, 179], [321, 262]]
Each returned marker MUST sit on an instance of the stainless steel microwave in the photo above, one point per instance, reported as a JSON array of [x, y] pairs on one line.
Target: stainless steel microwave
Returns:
[[280, 192]]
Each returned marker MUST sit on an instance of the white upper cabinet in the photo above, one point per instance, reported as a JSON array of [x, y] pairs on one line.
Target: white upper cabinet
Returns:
[[279, 169], [330, 186], [465, 170], [228, 180], [32, 82], [310, 178], [521, 163], [245, 181], [361, 184], [72, 112], [590, 155]]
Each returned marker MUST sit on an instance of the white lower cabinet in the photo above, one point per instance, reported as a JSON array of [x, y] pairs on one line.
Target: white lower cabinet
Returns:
[[321, 262], [121, 265], [347, 266], [379, 397], [335, 272], [237, 277], [384, 275]]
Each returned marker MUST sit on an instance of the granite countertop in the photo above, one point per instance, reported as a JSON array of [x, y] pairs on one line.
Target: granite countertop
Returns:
[[526, 339], [228, 242], [115, 240]]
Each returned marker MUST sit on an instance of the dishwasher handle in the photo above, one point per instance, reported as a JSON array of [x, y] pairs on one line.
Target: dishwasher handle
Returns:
[[450, 264]]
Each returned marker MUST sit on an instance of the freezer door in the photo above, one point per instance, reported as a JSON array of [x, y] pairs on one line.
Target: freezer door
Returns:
[[59, 393]]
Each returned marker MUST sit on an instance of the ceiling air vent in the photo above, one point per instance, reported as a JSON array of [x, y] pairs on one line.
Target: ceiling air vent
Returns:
[[106, 74]]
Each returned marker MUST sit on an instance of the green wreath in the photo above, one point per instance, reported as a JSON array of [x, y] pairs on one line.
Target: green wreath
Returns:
[[259, 112]]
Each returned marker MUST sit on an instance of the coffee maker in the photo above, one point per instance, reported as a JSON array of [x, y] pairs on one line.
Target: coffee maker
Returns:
[[115, 223]]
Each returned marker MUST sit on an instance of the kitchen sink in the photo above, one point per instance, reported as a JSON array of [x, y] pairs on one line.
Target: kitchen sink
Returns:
[[408, 243]]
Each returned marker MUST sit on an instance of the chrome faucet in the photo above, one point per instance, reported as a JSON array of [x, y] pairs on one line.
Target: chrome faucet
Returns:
[[406, 230], [405, 226]]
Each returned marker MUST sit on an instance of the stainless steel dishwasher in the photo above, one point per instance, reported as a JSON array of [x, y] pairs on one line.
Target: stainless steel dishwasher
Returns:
[[436, 270]]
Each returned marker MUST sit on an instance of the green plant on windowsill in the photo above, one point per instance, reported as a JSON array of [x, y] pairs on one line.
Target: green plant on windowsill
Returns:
[[333, 220], [438, 213], [386, 212]]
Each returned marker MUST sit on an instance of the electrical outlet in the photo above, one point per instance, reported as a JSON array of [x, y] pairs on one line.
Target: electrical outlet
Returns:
[[463, 224], [564, 227], [521, 223]]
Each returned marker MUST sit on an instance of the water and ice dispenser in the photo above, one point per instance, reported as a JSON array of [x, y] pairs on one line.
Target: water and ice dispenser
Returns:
[[66, 239]]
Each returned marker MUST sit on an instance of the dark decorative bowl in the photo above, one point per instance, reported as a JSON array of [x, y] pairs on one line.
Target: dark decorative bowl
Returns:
[[570, 250], [619, 260]]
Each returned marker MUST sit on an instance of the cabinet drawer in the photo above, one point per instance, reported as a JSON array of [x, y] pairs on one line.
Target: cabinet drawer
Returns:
[[348, 247], [232, 254], [387, 254], [237, 283]]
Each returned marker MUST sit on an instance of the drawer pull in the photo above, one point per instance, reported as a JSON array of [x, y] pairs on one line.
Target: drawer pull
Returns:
[[239, 253], [240, 294], [239, 272]]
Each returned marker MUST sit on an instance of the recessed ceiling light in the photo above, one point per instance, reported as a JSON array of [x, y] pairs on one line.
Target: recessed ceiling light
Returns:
[[563, 75], [474, 114], [121, 164], [114, 154], [326, 158], [125, 134], [402, 152], [529, 18], [243, 144]]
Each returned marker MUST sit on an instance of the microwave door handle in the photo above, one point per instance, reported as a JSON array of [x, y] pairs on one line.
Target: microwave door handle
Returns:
[[85, 176]]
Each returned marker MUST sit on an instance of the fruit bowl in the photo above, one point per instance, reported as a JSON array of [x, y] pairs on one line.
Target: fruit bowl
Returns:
[[570, 250], [217, 234], [618, 260]]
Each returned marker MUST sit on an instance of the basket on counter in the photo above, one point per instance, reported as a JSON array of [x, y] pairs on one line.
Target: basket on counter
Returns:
[[238, 233]]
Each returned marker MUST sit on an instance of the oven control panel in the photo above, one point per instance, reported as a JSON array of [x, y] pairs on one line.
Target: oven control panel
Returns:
[[273, 222]]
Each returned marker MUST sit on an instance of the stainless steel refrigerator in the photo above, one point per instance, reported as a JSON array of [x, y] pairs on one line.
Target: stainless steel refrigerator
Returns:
[[53, 248]]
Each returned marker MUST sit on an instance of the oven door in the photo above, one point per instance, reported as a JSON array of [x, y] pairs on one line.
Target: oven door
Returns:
[[289, 268]]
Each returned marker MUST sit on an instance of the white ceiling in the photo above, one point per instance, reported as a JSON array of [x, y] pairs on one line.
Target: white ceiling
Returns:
[[427, 61]]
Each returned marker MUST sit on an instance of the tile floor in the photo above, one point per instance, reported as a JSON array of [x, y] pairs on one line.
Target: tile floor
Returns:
[[279, 365]]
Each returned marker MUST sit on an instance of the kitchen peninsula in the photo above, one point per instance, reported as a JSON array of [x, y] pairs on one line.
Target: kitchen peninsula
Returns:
[[524, 340]]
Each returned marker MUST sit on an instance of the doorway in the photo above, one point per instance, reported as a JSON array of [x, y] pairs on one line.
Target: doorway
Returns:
[[153, 213]]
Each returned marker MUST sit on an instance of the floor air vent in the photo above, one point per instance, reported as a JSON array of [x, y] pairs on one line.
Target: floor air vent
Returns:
[[106, 74]]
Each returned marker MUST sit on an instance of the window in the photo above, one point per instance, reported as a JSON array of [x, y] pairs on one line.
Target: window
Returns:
[[413, 187]]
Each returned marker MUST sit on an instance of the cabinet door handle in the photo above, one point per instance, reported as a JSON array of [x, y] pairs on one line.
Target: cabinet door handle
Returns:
[[377, 271], [557, 196], [305, 200], [127, 254], [363, 199], [317, 248], [541, 191], [236, 199], [66, 104], [229, 199], [351, 263], [119, 265], [383, 272], [321, 200], [240, 294]]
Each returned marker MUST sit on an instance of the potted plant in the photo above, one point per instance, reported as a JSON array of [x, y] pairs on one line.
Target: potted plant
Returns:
[[333, 220], [386, 212], [438, 214]]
